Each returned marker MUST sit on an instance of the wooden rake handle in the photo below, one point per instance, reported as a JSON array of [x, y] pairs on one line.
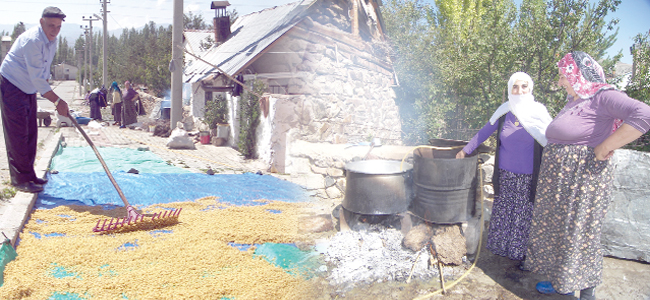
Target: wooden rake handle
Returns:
[[101, 160]]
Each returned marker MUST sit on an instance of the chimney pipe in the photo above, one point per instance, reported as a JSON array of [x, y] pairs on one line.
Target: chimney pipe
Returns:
[[221, 21]]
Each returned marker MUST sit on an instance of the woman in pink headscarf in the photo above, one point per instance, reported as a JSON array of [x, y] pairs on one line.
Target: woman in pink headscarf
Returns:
[[575, 179]]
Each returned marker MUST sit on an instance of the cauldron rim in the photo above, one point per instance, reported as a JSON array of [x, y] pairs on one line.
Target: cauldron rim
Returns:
[[374, 167]]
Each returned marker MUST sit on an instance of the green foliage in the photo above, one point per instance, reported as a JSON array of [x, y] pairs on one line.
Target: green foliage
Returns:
[[64, 53], [412, 40], [454, 59], [216, 112], [19, 28], [249, 118], [141, 57], [639, 87], [7, 193], [193, 21], [207, 43]]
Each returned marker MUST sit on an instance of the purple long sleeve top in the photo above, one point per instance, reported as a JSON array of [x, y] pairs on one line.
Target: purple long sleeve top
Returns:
[[517, 145], [590, 121]]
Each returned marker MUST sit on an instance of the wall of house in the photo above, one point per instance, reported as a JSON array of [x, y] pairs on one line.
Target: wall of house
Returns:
[[65, 72], [348, 87], [197, 101], [329, 87], [197, 106], [339, 91]]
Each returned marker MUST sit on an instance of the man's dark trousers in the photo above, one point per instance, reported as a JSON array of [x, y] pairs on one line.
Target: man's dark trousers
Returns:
[[20, 129]]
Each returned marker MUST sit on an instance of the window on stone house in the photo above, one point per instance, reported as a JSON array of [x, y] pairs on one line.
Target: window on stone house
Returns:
[[278, 89], [208, 97]]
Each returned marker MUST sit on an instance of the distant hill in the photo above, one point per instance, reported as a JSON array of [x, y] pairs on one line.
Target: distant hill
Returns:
[[621, 69], [70, 31]]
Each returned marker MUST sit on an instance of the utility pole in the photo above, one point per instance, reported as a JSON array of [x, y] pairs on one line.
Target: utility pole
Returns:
[[176, 65], [90, 47], [85, 80], [104, 41], [78, 72]]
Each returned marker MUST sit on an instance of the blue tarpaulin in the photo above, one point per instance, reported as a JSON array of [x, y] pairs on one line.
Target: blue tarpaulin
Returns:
[[81, 180], [147, 189], [84, 160]]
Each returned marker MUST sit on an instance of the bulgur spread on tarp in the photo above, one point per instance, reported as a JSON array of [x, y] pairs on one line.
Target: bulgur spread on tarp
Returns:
[[59, 257]]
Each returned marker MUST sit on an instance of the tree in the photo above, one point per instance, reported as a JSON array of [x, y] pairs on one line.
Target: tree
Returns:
[[409, 31], [233, 16], [567, 26], [64, 54], [249, 118], [454, 58], [141, 57], [193, 21], [18, 30], [639, 87]]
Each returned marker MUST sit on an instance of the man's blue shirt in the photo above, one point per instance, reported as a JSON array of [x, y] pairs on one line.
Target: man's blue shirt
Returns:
[[27, 65]]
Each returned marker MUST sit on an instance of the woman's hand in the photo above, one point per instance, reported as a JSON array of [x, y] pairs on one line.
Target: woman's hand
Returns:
[[461, 154], [621, 137], [602, 153]]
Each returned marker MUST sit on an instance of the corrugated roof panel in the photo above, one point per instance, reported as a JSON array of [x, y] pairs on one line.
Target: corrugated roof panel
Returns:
[[251, 34], [193, 40]]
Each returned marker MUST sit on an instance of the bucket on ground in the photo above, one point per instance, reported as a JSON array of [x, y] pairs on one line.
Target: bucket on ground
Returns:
[[205, 137]]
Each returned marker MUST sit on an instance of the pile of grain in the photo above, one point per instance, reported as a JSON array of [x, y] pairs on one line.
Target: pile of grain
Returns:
[[187, 260]]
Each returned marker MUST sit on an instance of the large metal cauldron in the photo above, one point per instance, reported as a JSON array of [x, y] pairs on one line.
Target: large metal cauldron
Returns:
[[444, 187], [377, 187]]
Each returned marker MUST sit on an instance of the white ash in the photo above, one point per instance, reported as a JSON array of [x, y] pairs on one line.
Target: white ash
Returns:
[[372, 255]]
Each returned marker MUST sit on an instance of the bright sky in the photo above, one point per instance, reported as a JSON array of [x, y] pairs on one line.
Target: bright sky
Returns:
[[122, 13], [634, 15]]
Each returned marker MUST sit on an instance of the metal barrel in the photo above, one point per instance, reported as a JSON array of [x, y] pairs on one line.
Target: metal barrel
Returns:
[[444, 187]]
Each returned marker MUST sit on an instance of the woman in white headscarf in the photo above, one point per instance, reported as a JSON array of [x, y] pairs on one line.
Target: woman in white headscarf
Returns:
[[520, 124]]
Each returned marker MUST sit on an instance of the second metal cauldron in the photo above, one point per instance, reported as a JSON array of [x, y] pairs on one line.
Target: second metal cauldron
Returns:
[[377, 187]]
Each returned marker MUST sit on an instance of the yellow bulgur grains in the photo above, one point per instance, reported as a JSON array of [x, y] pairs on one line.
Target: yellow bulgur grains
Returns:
[[194, 261]]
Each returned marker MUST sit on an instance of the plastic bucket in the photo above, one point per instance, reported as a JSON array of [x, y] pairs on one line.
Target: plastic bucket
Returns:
[[205, 138]]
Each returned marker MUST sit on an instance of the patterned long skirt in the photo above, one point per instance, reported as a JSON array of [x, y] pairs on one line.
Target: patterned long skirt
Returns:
[[511, 215], [573, 193]]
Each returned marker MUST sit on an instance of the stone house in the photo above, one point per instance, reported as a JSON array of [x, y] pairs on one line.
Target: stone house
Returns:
[[326, 66]]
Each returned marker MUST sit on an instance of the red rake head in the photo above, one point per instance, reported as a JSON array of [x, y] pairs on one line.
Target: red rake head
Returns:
[[133, 218]]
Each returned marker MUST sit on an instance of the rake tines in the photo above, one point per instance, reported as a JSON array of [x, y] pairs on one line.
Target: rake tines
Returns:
[[134, 217]]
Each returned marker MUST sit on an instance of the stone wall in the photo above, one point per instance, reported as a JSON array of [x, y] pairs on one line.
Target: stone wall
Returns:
[[626, 229], [342, 96], [338, 90], [320, 167]]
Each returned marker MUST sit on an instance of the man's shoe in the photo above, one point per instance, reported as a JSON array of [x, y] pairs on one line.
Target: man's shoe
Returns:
[[29, 187], [40, 181]]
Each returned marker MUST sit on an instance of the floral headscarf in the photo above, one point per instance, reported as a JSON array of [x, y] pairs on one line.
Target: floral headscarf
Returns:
[[584, 74]]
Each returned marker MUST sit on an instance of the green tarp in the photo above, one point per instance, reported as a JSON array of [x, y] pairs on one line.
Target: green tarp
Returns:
[[7, 254], [287, 256]]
